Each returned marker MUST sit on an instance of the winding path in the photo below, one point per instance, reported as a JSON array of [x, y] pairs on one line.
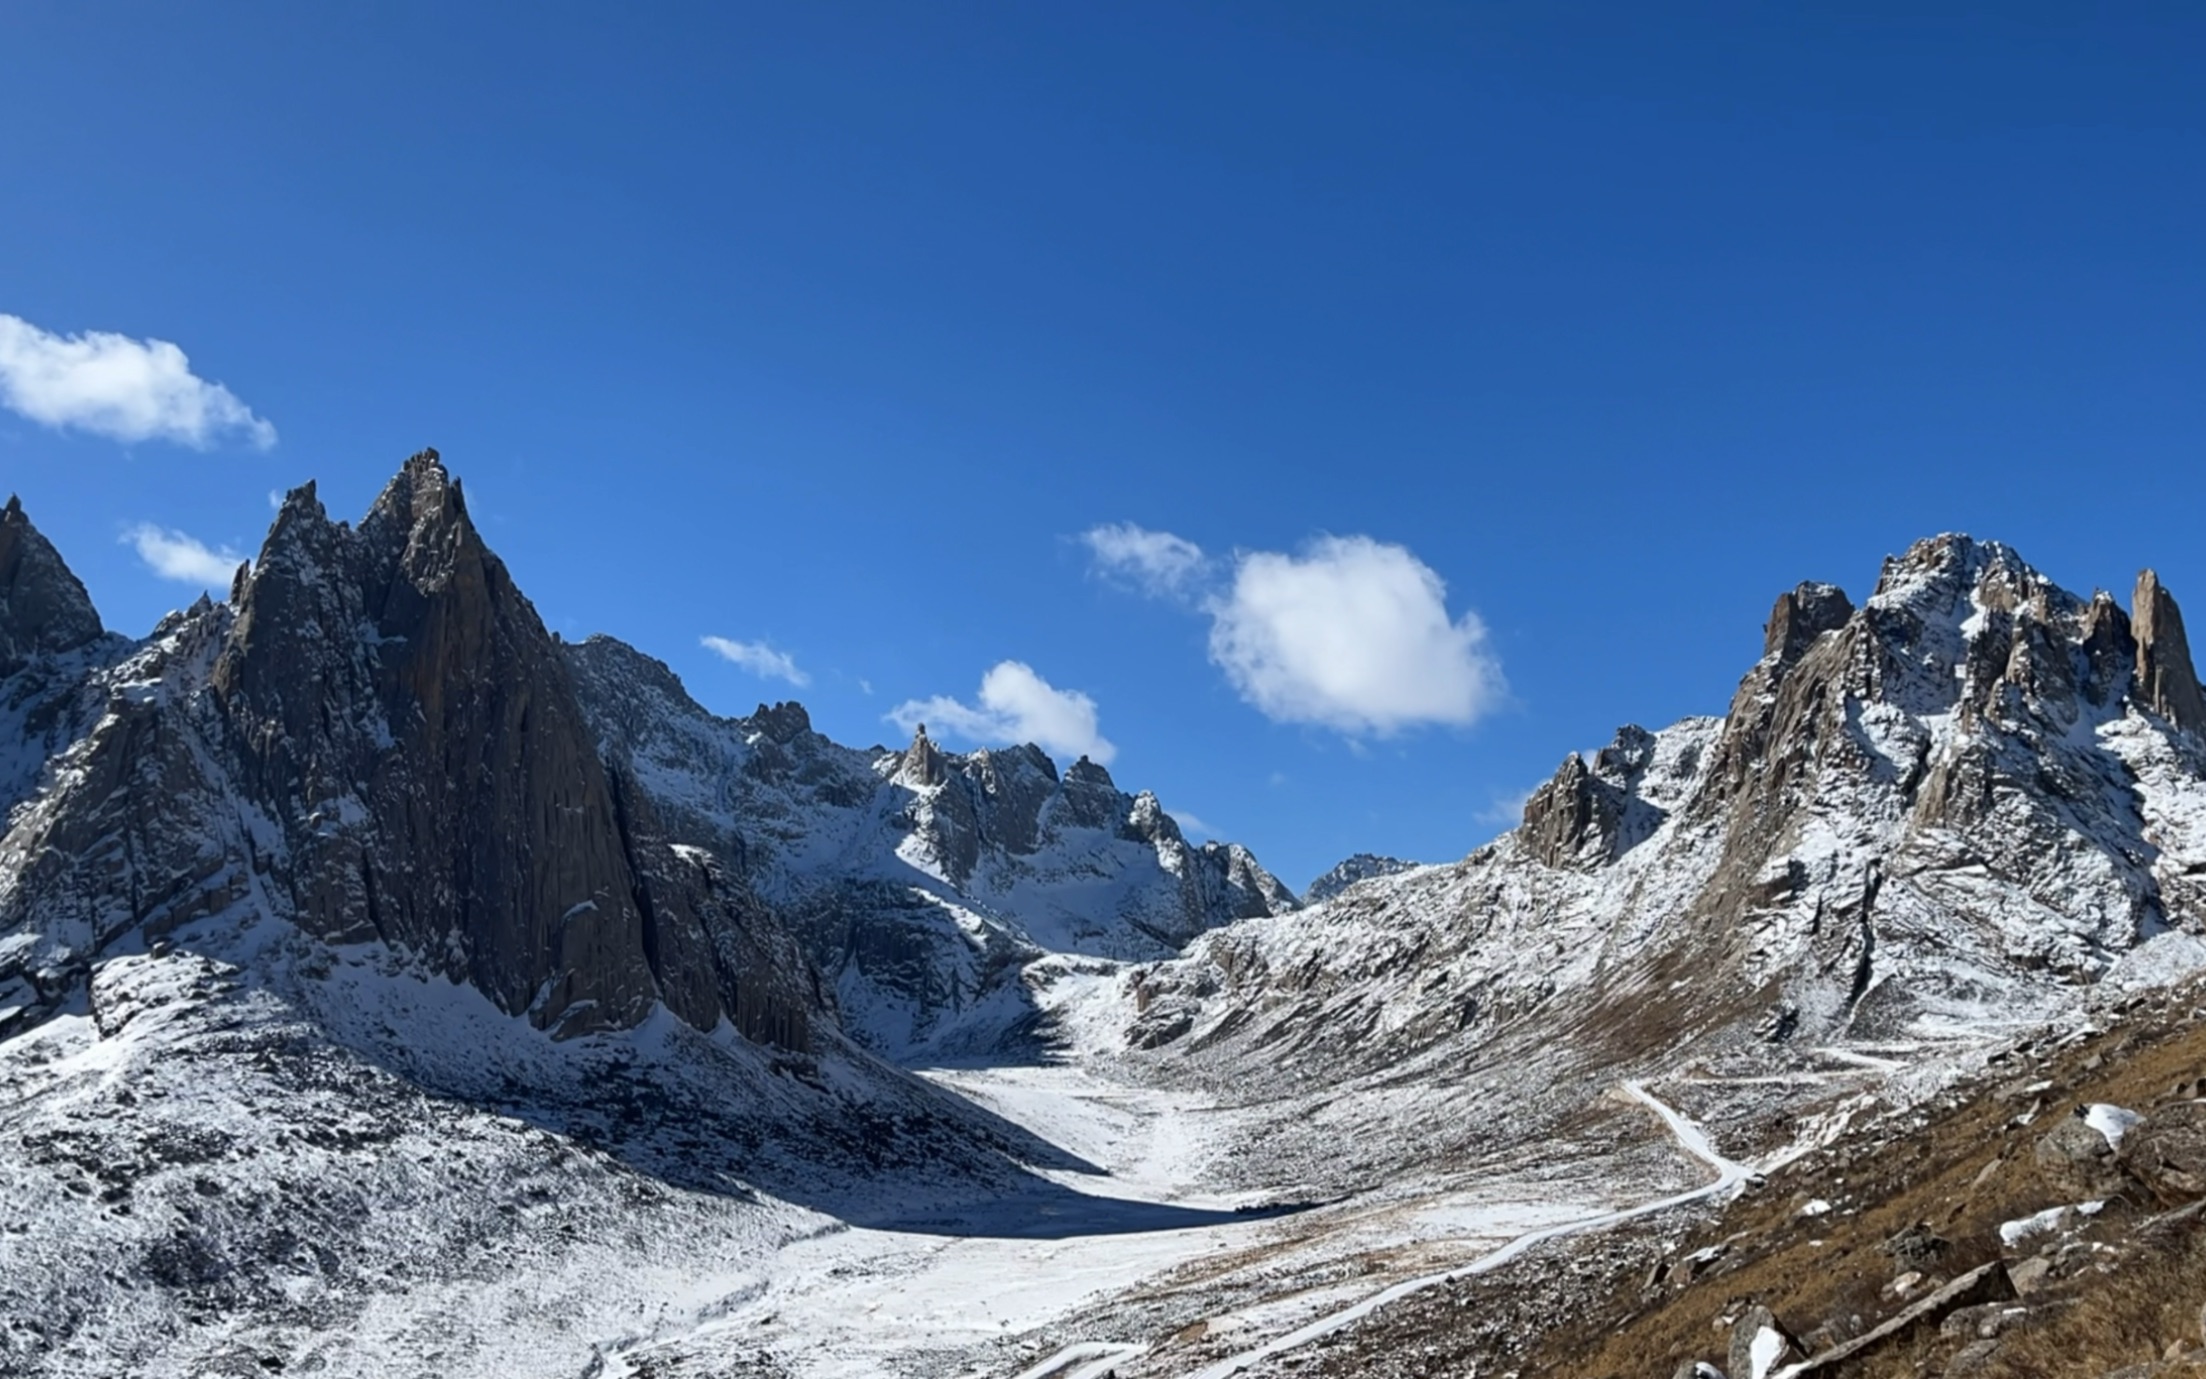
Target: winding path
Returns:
[[1690, 1136]]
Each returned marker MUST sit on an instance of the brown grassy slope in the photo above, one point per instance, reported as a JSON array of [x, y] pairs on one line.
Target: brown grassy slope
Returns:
[[1598, 1307], [1963, 1170]]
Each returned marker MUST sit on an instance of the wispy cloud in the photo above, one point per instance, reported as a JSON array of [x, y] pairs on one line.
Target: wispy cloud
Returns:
[[185, 559], [1349, 633], [1506, 810], [1155, 562], [758, 658], [1191, 825], [1015, 705], [114, 386]]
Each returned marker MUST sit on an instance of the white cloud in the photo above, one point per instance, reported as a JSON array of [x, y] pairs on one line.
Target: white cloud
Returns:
[[1191, 825], [1353, 634], [1506, 808], [185, 559], [114, 386], [759, 659], [1016, 705], [1156, 562]]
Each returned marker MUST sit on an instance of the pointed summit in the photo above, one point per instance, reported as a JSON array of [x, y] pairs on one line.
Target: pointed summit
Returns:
[[922, 765], [2167, 681], [1802, 615], [43, 606]]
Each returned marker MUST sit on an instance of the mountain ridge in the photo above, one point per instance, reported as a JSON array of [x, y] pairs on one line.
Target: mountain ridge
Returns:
[[366, 948]]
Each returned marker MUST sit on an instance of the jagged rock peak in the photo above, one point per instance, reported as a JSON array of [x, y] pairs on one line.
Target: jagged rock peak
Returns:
[[2167, 681], [1801, 615], [921, 765], [1363, 866], [1584, 815], [43, 606], [784, 722], [1086, 772]]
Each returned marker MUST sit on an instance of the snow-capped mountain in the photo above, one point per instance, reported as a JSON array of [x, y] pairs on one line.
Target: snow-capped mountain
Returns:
[[920, 881], [361, 877], [389, 987], [1969, 792], [1363, 866]]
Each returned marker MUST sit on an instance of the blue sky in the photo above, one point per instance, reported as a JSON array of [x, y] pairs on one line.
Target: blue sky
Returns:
[[1492, 367]]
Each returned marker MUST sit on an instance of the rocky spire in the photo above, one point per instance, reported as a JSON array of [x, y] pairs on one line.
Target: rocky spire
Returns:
[[1802, 615], [922, 765], [396, 701], [43, 607], [2167, 682]]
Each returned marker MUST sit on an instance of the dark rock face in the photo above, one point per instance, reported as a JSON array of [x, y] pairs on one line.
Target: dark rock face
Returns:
[[43, 607], [50, 644], [1803, 615], [381, 739], [1589, 815], [442, 791], [2167, 681]]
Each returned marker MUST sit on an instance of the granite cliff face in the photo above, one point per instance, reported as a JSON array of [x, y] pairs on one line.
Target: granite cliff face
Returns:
[[368, 954]]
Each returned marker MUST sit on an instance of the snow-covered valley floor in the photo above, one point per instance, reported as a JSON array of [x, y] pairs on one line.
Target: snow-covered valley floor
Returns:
[[1145, 1253]]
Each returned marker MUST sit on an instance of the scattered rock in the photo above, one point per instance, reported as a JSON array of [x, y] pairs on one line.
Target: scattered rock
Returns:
[[2028, 1277], [2075, 1160], [1760, 1345], [2167, 1152], [1917, 1248]]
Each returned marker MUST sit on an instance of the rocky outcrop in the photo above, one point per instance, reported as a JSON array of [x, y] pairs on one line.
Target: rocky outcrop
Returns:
[[43, 607], [1362, 866], [1954, 790], [1588, 814], [920, 881], [380, 738], [2167, 681], [2077, 1162], [1801, 616], [2166, 1151]]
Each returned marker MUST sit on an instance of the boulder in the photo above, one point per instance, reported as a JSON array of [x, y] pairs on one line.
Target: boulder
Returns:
[[2166, 1151], [1918, 1248], [1761, 1345], [2075, 1160]]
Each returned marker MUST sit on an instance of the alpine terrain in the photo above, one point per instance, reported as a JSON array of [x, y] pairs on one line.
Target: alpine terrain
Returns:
[[390, 987]]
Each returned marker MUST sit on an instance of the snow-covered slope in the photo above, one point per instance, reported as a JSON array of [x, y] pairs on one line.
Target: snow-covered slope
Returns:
[[1944, 806], [387, 987], [922, 881], [374, 1000]]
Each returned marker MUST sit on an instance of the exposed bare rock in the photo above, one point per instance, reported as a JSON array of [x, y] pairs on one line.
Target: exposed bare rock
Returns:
[[2077, 1162], [1984, 1284], [921, 882], [1760, 1345], [2167, 680], [382, 740], [1588, 815], [922, 762], [2167, 1152], [1802, 615], [43, 606], [1363, 866]]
